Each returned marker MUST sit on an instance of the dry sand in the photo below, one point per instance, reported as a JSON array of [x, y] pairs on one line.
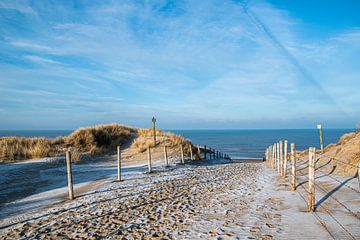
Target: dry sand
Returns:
[[200, 200]]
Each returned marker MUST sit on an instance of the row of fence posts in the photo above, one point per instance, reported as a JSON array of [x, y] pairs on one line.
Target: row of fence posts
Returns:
[[277, 155], [208, 154]]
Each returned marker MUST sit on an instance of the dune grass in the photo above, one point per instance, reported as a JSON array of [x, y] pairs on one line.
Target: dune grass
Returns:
[[15, 148], [92, 140], [145, 139]]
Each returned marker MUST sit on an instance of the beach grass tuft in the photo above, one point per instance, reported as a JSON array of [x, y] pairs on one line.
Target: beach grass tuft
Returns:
[[92, 140]]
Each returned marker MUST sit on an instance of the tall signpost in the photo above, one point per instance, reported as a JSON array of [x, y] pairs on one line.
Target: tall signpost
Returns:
[[319, 126], [154, 130]]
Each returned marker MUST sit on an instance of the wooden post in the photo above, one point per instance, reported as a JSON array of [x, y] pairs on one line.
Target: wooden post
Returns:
[[217, 154], [285, 158], [293, 167], [166, 157], [359, 174], [205, 152], [149, 160], [182, 154], [118, 163], [153, 120], [319, 126], [311, 200], [281, 158], [191, 153], [266, 154], [69, 175], [210, 153], [199, 152], [273, 156], [278, 157]]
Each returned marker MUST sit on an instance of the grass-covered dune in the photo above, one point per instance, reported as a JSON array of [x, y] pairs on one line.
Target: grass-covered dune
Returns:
[[99, 139]]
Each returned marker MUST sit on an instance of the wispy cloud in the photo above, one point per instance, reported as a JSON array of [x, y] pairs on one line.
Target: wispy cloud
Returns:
[[220, 60], [41, 60]]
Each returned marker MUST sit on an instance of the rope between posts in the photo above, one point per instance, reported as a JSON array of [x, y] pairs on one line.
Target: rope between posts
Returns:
[[328, 174], [318, 186], [329, 212], [331, 158]]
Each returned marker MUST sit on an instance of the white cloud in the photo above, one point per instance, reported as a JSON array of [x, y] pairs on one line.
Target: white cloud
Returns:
[[40, 60], [17, 6], [200, 59]]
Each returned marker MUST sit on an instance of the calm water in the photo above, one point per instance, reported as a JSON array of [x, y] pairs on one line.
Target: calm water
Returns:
[[252, 143], [236, 143]]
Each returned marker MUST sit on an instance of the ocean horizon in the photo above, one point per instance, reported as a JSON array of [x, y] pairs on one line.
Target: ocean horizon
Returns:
[[238, 143]]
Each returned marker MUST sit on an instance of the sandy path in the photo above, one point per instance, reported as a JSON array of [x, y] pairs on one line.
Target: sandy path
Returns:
[[164, 204], [31, 185], [337, 202], [197, 201]]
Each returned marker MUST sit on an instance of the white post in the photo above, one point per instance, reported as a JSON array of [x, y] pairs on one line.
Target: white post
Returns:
[[182, 154], [266, 155], [191, 153], [359, 174], [293, 167], [278, 157], [285, 158], [69, 175], [274, 156], [311, 200], [281, 158], [149, 160], [165, 156], [118, 163], [198, 151]]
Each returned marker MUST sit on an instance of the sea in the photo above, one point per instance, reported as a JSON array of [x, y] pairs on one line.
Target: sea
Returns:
[[239, 144]]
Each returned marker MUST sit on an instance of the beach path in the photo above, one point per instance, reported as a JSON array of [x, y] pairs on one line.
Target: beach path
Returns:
[[193, 201]]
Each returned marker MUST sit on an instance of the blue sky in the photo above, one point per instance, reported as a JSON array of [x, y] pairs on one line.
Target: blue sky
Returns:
[[192, 64]]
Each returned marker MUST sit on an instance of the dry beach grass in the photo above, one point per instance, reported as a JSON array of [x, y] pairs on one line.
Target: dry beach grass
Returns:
[[340, 158], [92, 140]]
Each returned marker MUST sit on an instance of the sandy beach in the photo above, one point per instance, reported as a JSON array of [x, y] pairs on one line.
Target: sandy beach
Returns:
[[199, 200]]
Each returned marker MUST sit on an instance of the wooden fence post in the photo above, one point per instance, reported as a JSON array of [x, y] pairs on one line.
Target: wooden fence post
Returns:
[[281, 157], [278, 157], [69, 175], [293, 167], [285, 158], [166, 157], [266, 151], [182, 154], [153, 120], [273, 156], [149, 160], [205, 152], [359, 174], [210, 153], [191, 153], [118, 163], [198, 151], [311, 200]]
